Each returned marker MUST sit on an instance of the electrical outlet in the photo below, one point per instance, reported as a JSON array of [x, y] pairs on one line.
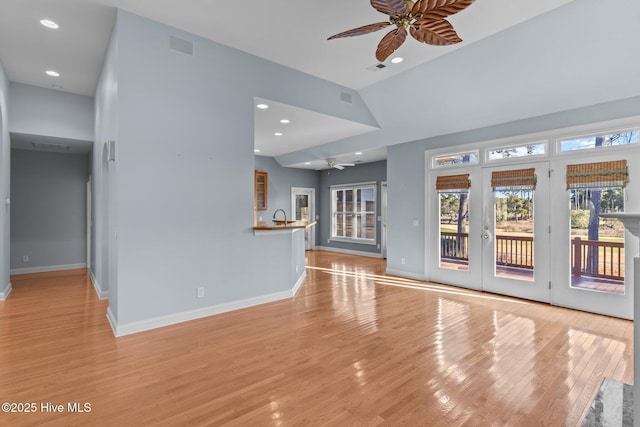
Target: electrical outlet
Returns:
[[378, 245], [297, 268], [25, 258], [200, 292], [403, 261]]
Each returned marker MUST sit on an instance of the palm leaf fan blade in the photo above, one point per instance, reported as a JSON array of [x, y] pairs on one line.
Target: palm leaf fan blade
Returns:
[[366, 29], [436, 33], [390, 42], [438, 9], [390, 7]]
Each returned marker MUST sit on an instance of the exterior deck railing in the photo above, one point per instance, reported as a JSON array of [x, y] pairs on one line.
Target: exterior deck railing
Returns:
[[589, 258]]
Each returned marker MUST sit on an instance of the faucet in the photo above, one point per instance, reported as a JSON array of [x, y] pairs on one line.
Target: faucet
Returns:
[[284, 213]]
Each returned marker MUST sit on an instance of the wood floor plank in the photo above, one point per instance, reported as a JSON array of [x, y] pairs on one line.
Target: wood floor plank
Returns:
[[355, 347]]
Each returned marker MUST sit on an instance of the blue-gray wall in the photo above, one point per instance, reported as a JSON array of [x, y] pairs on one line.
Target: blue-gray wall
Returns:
[[367, 172], [182, 196], [105, 130], [39, 111], [48, 209], [5, 179]]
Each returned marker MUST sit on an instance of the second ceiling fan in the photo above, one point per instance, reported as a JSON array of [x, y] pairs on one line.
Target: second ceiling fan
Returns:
[[425, 20]]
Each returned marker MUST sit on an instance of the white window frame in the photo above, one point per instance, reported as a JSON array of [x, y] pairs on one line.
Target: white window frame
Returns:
[[334, 213]]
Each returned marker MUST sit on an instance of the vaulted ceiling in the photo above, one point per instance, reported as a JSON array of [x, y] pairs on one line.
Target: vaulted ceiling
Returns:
[[293, 34]]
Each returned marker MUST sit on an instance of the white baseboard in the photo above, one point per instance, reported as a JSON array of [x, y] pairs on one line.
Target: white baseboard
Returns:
[[102, 294], [348, 251], [120, 330], [406, 274], [296, 287], [6, 291], [46, 268]]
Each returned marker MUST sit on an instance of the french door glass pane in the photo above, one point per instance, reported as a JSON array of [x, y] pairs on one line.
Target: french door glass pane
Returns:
[[454, 230], [597, 244], [514, 234], [302, 207]]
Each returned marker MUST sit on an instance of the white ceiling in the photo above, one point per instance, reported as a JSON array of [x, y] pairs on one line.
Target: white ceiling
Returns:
[[275, 30]]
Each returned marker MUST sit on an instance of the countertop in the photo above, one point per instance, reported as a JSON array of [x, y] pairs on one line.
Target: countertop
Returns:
[[279, 225]]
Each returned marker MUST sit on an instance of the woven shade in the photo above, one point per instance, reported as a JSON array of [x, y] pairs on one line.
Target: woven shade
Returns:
[[519, 179], [453, 182], [597, 175]]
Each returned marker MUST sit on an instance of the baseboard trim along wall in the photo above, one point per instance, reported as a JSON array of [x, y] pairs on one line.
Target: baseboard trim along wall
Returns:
[[102, 294], [46, 268], [6, 291], [406, 274], [296, 287], [349, 251], [185, 316]]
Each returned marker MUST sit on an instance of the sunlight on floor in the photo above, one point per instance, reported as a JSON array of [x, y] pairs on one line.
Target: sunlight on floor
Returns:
[[412, 284]]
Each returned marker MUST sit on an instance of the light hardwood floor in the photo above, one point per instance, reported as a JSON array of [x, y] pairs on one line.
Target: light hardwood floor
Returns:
[[354, 347]]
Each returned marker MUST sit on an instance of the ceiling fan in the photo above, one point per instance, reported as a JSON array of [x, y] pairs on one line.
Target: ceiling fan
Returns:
[[425, 20], [333, 164]]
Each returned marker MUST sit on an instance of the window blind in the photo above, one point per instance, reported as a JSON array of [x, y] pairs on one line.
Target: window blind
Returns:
[[513, 180], [598, 175], [453, 182]]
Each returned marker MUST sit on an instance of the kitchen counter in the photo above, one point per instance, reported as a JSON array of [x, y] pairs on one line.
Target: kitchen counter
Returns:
[[280, 225]]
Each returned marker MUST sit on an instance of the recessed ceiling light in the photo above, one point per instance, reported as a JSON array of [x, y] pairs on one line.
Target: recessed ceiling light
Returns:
[[49, 24], [52, 73], [256, 151], [397, 60], [262, 106], [358, 153], [307, 163], [278, 134], [285, 121]]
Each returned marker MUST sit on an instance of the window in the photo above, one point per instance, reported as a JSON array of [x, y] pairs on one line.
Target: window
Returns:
[[455, 159], [600, 141], [597, 244], [535, 149], [353, 215], [453, 196]]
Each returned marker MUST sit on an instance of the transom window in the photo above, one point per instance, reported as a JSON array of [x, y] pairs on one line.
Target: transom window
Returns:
[[527, 150], [600, 141], [353, 210], [470, 157]]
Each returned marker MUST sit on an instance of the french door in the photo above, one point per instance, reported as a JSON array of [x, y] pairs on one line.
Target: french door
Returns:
[[492, 235], [515, 230], [303, 209], [593, 273]]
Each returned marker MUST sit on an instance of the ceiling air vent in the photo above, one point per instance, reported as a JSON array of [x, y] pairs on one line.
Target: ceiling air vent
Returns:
[[345, 97], [376, 67], [46, 146], [181, 45]]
